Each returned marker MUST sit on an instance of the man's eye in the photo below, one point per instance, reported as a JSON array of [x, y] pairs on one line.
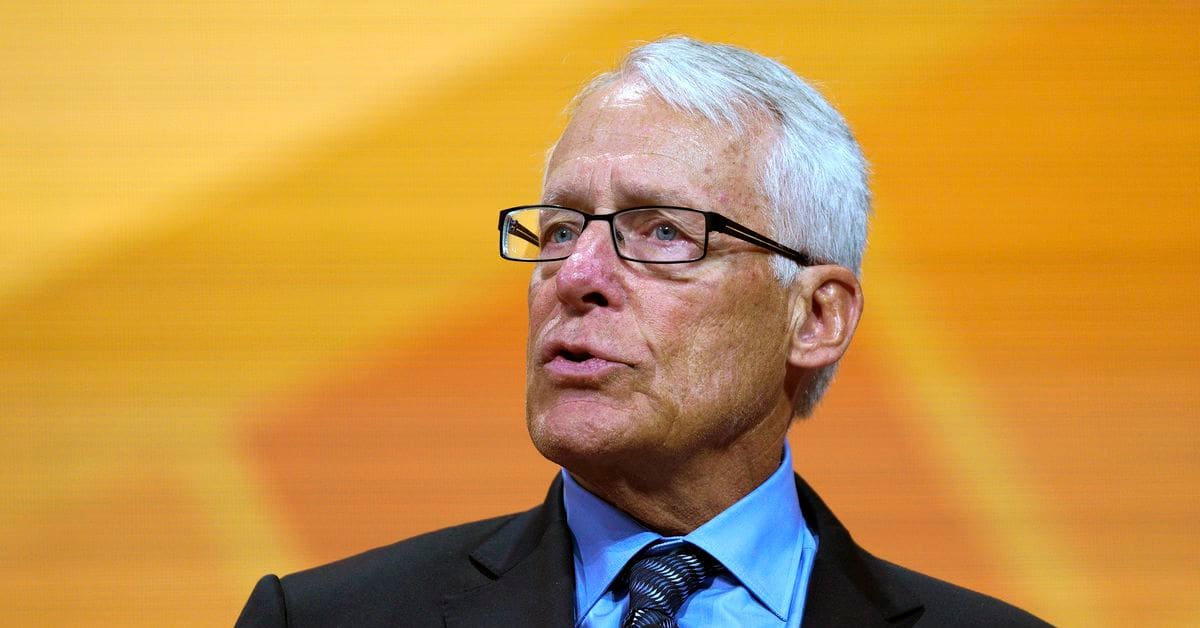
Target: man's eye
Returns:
[[666, 232], [562, 234]]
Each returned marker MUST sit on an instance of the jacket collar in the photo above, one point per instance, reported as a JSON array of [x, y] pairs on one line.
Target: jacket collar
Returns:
[[530, 570], [848, 586]]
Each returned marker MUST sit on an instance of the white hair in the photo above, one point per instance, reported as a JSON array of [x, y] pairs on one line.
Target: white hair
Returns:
[[813, 175]]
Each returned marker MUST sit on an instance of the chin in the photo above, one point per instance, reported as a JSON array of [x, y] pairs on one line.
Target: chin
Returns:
[[577, 435]]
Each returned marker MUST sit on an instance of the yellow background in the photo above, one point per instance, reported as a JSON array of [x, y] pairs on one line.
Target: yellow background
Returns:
[[252, 316]]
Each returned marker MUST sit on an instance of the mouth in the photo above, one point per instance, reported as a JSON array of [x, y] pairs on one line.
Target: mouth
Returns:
[[574, 356], [578, 363]]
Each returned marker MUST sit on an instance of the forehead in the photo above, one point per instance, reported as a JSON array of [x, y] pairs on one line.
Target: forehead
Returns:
[[626, 145], [628, 116]]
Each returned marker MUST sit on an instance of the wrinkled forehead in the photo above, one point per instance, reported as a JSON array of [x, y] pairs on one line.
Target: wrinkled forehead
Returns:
[[629, 117], [640, 141]]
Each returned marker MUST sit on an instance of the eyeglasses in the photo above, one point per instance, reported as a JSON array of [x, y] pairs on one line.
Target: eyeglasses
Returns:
[[652, 234]]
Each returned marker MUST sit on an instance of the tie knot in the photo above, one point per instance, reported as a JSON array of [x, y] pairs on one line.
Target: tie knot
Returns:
[[659, 584]]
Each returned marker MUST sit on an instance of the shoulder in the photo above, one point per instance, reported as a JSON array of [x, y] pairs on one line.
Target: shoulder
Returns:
[[408, 583], [416, 555], [403, 580], [951, 605], [851, 579]]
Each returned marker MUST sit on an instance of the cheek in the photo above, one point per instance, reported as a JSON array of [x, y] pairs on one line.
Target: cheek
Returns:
[[685, 331], [540, 301], [736, 332]]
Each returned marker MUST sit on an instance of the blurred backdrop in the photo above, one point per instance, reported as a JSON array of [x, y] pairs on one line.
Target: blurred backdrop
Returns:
[[252, 317]]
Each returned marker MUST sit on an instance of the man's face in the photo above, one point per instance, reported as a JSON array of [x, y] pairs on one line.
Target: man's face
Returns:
[[650, 364]]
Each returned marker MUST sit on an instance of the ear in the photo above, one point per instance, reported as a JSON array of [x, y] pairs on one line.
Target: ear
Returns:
[[827, 302]]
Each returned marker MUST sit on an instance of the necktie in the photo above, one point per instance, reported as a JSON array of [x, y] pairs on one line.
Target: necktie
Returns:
[[658, 585]]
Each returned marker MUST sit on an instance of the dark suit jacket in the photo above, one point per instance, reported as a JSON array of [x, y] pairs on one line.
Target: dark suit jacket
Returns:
[[518, 570]]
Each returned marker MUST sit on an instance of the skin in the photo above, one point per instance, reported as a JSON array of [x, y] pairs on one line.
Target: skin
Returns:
[[685, 405]]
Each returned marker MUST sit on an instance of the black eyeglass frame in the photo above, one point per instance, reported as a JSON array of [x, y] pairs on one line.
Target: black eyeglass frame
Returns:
[[712, 222]]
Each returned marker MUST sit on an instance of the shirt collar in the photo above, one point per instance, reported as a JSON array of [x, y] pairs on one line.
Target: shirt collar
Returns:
[[605, 539], [758, 539]]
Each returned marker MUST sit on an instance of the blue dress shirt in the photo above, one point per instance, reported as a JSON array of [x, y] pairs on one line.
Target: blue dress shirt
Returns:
[[762, 540]]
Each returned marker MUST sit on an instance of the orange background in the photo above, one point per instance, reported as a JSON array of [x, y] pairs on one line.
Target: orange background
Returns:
[[252, 317]]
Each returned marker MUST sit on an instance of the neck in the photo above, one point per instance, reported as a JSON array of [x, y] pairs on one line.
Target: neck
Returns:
[[674, 497]]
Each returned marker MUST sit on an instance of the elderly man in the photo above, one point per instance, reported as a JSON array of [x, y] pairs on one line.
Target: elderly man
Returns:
[[694, 284]]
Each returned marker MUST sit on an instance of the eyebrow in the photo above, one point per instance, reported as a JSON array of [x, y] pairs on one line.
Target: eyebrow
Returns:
[[558, 197], [652, 193], [636, 195]]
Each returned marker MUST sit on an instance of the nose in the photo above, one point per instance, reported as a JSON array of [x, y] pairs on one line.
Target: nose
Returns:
[[589, 277]]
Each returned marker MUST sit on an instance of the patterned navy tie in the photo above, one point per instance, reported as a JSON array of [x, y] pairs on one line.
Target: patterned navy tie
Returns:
[[658, 585]]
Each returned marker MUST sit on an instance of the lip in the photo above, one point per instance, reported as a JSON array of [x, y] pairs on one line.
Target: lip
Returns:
[[567, 371], [599, 364], [554, 348]]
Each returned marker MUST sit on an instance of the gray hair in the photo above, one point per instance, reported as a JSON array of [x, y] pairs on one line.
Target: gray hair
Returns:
[[814, 174]]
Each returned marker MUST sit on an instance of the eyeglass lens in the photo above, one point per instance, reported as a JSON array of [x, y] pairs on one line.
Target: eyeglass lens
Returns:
[[652, 234]]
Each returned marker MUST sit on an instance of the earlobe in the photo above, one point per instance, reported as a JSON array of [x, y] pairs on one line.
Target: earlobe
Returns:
[[827, 303]]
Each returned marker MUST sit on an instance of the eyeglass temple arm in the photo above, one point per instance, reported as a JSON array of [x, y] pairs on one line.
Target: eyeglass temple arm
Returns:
[[520, 231], [724, 225]]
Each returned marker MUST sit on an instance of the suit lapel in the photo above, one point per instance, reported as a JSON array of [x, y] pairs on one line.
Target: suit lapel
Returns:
[[530, 575], [530, 570], [847, 586]]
